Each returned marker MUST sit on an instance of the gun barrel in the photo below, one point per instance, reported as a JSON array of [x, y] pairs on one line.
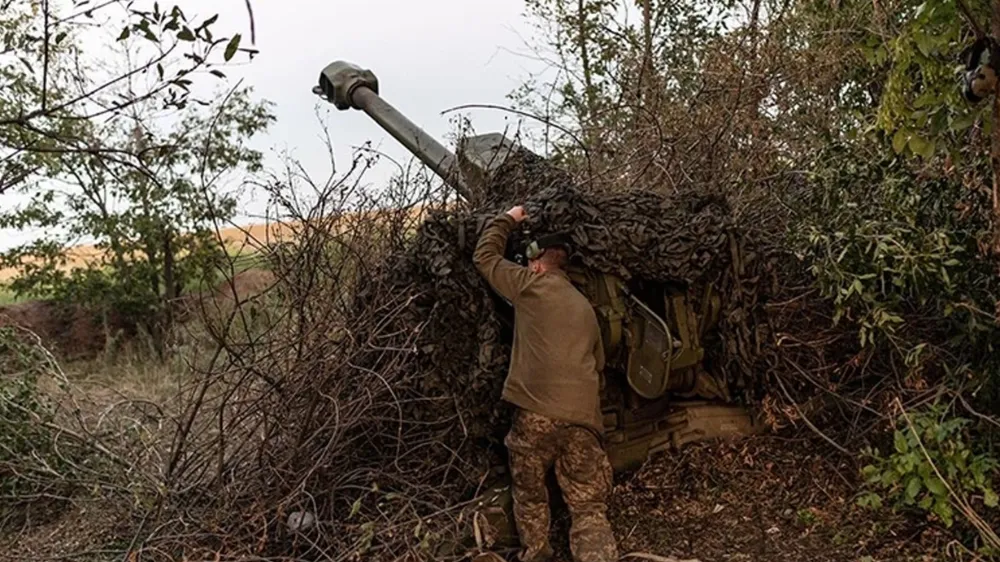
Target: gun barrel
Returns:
[[416, 140], [348, 86]]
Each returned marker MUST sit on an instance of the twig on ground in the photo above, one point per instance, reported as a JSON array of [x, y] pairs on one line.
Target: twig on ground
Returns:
[[815, 429]]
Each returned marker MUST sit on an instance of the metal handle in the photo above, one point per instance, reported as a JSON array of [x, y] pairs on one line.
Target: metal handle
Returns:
[[663, 324]]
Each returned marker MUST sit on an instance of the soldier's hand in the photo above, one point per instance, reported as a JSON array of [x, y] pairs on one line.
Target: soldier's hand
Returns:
[[518, 213]]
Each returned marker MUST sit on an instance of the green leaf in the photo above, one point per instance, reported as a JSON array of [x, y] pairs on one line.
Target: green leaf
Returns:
[[913, 488], [216, 72], [899, 440], [185, 35], [942, 508], [209, 21], [355, 508], [928, 98], [925, 44], [869, 500], [990, 498], [889, 478], [977, 474], [870, 473], [921, 146], [233, 45], [899, 140], [963, 122], [125, 34], [935, 486]]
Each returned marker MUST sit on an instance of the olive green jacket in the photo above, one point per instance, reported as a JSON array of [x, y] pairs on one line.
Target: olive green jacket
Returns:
[[557, 353]]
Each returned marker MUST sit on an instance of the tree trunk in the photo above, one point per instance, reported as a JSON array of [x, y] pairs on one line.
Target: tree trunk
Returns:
[[590, 100], [646, 84], [646, 100], [170, 289], [995, 142], [155, 322]]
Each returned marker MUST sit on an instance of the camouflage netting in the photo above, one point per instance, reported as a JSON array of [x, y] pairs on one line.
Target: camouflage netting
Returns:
[[635, 234]]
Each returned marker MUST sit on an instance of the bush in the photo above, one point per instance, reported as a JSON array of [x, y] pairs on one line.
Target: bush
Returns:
[[932, 461], [896, 250]]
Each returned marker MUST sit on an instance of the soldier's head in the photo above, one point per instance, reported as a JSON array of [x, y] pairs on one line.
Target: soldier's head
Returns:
[[549, 260], [548, 253]]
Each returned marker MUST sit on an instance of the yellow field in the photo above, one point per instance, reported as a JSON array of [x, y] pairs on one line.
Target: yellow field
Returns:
[[237, 238]]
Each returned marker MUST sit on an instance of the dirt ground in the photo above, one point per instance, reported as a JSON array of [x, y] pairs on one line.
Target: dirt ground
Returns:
[[763, 499]]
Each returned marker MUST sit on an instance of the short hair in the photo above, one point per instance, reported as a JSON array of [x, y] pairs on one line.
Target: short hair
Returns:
[[556, 257]]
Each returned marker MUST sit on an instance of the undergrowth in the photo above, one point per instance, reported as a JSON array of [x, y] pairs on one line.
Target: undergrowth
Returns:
[[35, 458], [902, 263], [896, 250], [938, 466]]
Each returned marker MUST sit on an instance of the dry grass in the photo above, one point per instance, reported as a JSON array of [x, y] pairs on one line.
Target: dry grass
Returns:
[[132, 375]]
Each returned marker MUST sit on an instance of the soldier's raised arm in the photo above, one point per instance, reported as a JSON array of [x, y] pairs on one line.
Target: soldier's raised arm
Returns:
[[508, 278]]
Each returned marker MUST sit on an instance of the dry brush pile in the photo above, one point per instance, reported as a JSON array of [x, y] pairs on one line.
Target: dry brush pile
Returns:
[[363, 388]]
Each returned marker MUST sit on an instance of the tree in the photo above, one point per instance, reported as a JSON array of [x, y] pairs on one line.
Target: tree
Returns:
[[86, 146], [922, 109], [51, 88], [155, 226]]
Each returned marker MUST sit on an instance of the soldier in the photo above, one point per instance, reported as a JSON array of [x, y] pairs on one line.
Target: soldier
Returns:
[[554, 384]]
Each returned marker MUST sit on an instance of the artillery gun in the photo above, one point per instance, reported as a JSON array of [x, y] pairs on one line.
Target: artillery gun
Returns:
[[657, 393]]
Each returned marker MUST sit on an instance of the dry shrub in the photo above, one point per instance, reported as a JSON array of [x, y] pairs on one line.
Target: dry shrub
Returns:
[[61, 449], [302, 407]]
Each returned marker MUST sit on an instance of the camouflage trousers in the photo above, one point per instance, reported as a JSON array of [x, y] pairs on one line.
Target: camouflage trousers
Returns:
[[536, 444]]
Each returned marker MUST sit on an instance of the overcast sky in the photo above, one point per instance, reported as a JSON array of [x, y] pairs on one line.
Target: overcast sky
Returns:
[[429, 56]]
